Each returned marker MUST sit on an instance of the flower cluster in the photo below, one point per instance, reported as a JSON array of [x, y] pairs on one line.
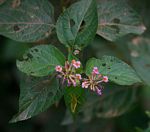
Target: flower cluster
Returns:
[[69, 75], [94, 81]]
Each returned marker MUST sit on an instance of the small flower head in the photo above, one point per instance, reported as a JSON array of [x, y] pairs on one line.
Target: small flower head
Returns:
[[68, 73], [105, 79], [85, 84], [94, 81], [78, 76], [58, 68], [95, 70], [76, 64]]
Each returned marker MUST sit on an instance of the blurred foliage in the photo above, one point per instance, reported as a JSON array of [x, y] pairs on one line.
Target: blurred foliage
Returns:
[[121, 112]]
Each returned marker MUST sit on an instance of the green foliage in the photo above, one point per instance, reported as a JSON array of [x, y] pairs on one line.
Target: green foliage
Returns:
[[26, 20], [117, 71], [75, 28], [140, 57], [77, 25], [40, 60], [36, 95], [113, 102], [117, 19]]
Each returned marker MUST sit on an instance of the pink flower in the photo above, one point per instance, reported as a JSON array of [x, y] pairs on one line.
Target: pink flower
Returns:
[[69, 83], [95, 70], [78, 76], [58, 68], [99, 91], [74, 83], [76, 64], [105, 79], [85, 84]]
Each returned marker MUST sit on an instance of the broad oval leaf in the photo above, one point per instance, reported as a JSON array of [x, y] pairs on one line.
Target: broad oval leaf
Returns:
[[116, 70], [40, 60], [117, 19], [140, 57], [115, 101], [26, 20], [77, 25], [36, 96]]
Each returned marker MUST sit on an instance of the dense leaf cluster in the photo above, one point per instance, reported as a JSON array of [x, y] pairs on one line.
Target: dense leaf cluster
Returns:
[[76, 27]]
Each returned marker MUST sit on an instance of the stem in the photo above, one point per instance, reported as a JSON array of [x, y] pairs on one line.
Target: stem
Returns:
[[69, 50]]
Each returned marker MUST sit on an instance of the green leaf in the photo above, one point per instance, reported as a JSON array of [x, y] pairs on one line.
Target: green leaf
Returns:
[[36, 96], [77, 25], [26, 20], [40, 60], [74, 98], [141, 130], [115, 101], [116, 70], [117, 19], [140, 57]]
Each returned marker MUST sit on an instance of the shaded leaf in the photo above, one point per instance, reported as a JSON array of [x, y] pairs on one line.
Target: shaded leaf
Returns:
[[68, 119], [25, 20], [141, 130], [140, 57], [36, 96], [77, 26], [96, 125], [41, 60], [84, 116], [117, 19], [115, 101], [116, 70]]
